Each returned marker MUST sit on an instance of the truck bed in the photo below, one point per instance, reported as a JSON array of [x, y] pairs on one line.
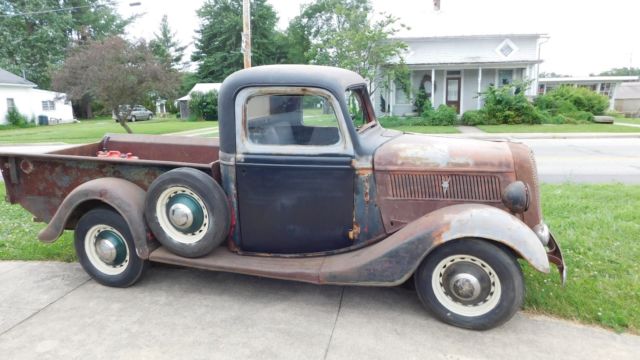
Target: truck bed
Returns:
[[40, 182]]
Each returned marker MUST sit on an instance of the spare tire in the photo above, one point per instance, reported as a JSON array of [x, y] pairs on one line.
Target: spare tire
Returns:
[[187, 211]]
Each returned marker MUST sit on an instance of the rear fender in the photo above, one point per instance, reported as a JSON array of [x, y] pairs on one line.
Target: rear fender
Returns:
[[124, 196], [393, 260]]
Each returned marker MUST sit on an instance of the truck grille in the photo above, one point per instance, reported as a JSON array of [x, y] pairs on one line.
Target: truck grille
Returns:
[[445, 187]]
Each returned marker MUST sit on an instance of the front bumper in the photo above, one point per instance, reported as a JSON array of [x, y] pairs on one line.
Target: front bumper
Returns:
[[554, 254]]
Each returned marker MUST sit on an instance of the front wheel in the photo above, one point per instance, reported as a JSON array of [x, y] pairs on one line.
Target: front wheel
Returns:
[[133, 119], [105, 248], [471, 283]]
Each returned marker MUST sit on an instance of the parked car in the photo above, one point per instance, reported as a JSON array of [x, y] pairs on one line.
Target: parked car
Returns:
[[300, 188], [138, 112]]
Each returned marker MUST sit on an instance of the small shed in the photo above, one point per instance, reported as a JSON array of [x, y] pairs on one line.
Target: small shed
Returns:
[[628, 99], [183, 102]]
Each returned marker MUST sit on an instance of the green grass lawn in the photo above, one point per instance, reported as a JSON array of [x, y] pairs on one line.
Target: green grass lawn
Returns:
[[598, 227], [93, 130], [425, 129], [628, 120], [565, 128]]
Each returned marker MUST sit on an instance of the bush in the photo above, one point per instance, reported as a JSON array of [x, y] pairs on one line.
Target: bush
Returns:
[[204, 105], [442, 116], [573, 102], [473, 118], [508, 105], [16, 119], [422, 101]]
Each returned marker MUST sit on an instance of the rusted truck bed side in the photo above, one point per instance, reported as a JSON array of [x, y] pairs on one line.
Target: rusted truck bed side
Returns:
[[40, 182]]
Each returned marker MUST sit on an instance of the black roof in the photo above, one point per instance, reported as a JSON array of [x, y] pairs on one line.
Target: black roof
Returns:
[[334, 80], [9, 78]]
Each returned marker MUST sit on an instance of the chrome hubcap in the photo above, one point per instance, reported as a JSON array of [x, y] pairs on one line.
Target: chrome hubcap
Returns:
[[180, 216], [106, 251], [465, 286]]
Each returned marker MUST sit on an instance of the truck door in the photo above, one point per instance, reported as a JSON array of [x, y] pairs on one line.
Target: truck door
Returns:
[[295, 182]]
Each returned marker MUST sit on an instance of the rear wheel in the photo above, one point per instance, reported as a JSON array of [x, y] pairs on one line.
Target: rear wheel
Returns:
[[133, 118], [187, 212], [471, 284], [105, 248]]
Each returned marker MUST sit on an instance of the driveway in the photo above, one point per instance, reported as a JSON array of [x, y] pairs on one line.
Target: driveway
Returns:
[[52, 310]]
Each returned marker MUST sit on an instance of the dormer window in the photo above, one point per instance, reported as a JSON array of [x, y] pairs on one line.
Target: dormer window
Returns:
[[506, 48]]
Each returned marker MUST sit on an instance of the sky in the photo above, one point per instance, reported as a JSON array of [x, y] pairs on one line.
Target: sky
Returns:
[[585, 36]]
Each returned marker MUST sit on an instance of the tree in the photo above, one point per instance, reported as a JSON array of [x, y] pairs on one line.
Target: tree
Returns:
[[219, 38], [35, 35], [165, 47], [116, 73], [343, 33], [624, 71]]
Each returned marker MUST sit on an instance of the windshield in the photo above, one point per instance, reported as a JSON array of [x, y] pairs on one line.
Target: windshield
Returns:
[[360, 108]]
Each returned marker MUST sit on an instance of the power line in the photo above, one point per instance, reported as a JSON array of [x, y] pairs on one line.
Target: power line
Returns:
[[65, 9]]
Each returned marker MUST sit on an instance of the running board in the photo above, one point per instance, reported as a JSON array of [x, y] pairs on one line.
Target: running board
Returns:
[[223, 259]]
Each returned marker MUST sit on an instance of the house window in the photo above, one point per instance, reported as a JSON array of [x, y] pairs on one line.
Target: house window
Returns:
[[606, 89], [506, 48], [505, 77], [48, 105], [11, 104], [541, 89]]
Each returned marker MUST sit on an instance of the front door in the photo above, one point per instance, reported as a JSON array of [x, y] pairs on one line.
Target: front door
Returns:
[[453, 92], [295, 181]]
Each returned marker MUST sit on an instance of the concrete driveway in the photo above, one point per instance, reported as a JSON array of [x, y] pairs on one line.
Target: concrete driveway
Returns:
[[52, 310]]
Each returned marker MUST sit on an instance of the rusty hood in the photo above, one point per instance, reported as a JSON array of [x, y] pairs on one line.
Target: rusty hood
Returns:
[[413, 152]]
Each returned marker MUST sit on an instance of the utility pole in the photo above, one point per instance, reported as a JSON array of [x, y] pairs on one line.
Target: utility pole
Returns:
[[246, 32]]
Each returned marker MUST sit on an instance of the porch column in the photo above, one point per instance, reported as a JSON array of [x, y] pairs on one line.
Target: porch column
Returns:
[[479, 105], [433, 86], [444, 88], [392, 95]]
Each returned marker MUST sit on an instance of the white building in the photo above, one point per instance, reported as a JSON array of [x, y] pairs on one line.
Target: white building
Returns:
[[605, 85], [454, 69], [183, 102], [627, 99], [22, 94]]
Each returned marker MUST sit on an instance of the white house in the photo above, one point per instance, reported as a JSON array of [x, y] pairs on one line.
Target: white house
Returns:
[[454, 69], [605, 85], [22, 94], [183, 102]]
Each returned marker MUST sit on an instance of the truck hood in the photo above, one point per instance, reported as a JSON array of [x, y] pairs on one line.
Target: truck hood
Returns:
[[413, 152]]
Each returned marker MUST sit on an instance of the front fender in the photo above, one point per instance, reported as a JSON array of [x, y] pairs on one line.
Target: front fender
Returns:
[[393, 260], [124, 196]]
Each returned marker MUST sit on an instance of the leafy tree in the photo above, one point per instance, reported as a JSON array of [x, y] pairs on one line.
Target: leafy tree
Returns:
[[219, 38], [343, 33], [116, 73], [36, 34], [551, 75], [204, 105], [623, 71], [165, 47]]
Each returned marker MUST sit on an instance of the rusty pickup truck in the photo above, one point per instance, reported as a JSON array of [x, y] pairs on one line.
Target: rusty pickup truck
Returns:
[[303, 184]]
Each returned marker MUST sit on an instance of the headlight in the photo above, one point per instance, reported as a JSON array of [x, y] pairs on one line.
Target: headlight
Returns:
[[542, 231], [516, 197]]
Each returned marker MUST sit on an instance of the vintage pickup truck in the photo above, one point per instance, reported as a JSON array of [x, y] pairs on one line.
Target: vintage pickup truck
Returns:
[[303, 184]]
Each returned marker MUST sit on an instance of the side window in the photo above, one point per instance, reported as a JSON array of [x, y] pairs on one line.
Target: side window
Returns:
[[283, 119]]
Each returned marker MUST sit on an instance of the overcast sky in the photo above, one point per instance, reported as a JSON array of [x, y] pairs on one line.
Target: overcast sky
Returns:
[[586, 36]]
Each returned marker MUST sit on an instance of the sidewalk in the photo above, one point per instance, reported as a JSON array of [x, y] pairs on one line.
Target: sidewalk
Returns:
[[53, 310]]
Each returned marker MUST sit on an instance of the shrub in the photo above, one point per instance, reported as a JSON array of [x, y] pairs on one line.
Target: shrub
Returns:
[[568, 100], [422, 101], [442, 116], [473, 118], [508, 105], [204, 105], [16, 119]]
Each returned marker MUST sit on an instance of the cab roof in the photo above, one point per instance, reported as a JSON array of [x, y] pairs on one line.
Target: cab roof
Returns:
[[332, 79]]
